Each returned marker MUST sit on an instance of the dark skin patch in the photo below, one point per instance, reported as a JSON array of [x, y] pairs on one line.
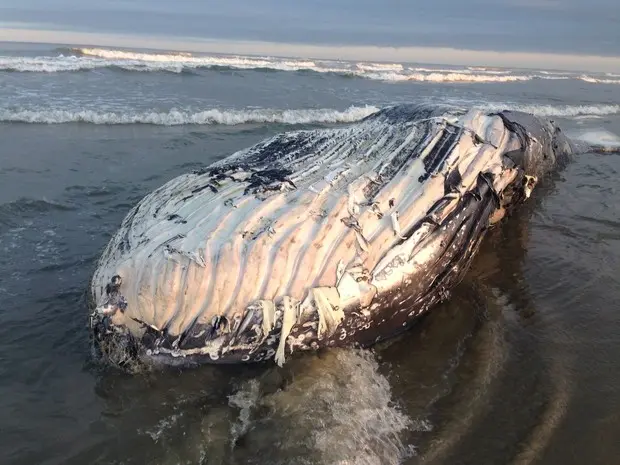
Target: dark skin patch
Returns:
[[487, 179], [269, 180], [176, 219], [452, 182], [207, 186]]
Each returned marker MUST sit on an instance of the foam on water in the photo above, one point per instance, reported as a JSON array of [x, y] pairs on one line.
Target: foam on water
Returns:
[[230, 117], [380, 66], [179, 117], [162, 426], [593, 80], [337, 410], [444, 76], [600, 139], [189, 60], [488, 70], [245, 400], [567, 111]]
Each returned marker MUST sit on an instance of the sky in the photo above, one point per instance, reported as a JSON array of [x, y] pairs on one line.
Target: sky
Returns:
[[569, 30]]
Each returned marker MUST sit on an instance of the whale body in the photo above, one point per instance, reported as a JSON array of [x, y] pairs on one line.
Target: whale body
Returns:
[[315, 238]]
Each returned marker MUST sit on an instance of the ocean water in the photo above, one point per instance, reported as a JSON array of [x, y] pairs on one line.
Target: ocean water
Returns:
[[521, 366]]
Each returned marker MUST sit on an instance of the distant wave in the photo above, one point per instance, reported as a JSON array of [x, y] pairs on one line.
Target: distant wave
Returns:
[[180, 117], [190, 61], [85, 59], [443, 76], [487, 70], [599, 80], [379, 66]]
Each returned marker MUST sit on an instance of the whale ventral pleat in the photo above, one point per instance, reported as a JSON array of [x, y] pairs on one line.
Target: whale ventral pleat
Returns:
[[317, 238]]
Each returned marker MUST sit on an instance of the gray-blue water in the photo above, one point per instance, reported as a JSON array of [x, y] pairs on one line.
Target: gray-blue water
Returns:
[[521, 366]]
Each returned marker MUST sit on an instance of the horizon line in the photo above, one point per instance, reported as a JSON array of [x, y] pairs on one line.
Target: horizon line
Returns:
[[407, 54]]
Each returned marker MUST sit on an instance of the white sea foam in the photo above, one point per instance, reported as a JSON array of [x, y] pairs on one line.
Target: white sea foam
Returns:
[[598, 80], [379, 66], [144, 62], [599, 138], [179, 117], [557, 73], [175, 117], [567, 111], [481, 69], [162, 426], [93, 58], [337, 410], [456, 77], [50, 64], [191, 61]]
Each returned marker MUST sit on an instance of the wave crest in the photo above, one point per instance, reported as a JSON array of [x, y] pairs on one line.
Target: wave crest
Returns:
[[443, 76], [85, 59], [566, 111], [180, 117], [593, 80], [189, 60]]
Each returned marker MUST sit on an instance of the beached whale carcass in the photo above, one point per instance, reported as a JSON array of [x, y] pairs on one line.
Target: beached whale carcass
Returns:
[[314, 238]]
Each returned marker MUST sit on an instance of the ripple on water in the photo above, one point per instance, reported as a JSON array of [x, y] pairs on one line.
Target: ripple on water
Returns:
[[14, 213]]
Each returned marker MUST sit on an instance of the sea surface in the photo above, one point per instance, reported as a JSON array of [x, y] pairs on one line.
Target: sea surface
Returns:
[[521, 366]]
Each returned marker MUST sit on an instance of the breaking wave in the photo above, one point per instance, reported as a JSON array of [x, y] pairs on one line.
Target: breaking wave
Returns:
[[190, 61], [566, 111], [444, 76], [599, 80], [179, 117], [231, 117], [86, 59]]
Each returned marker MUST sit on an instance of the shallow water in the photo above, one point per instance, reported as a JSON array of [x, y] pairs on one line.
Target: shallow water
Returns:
[[521, 366]]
